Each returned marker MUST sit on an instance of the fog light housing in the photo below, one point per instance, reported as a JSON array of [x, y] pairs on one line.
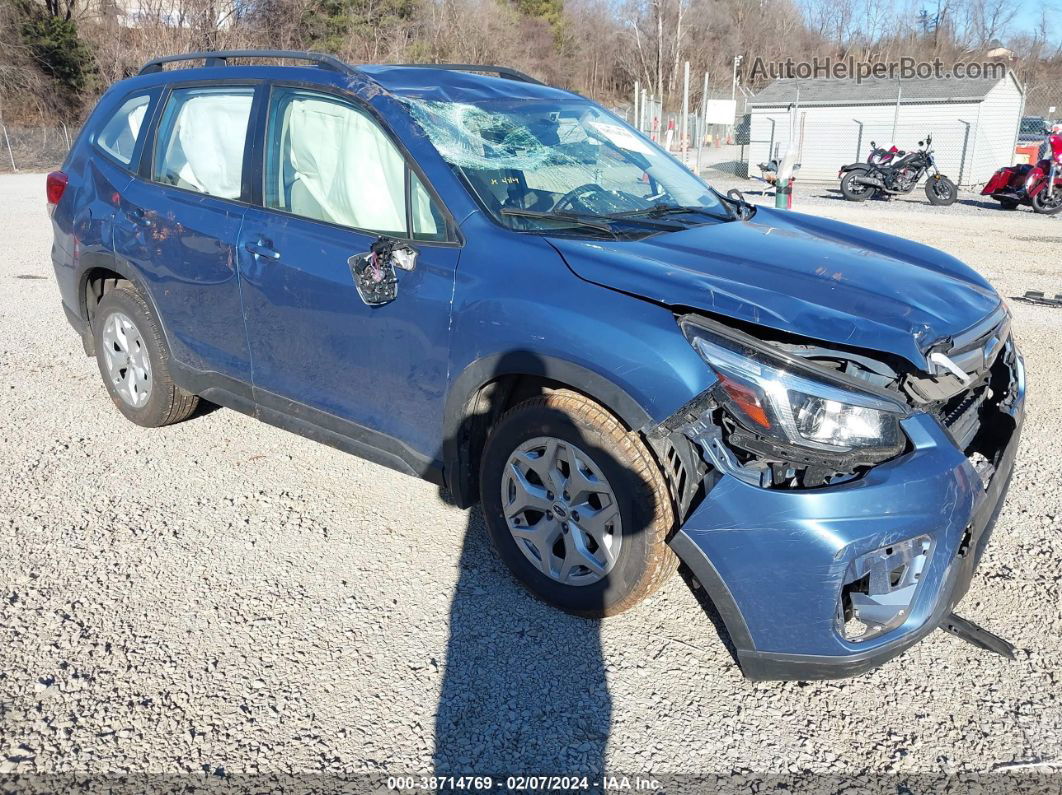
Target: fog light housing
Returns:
[[880, 587]]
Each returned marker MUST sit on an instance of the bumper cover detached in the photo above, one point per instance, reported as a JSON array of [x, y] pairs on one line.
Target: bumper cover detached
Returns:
[[774, 561]]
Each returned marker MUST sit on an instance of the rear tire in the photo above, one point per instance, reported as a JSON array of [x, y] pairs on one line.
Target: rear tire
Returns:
[[630, 500], [134, 360], [1008, 204], [854, 191], [941, 191]]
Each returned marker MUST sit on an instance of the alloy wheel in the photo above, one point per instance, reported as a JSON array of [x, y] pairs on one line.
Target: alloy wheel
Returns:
[[561, 511], [1050, 200]]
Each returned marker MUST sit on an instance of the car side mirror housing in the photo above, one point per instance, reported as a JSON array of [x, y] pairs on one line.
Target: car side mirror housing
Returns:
[[374, 271]]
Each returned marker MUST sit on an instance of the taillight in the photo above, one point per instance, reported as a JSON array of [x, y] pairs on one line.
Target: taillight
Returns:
[[54, 186]]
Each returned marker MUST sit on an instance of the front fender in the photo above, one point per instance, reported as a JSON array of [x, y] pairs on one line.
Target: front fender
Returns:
[[528, 314]]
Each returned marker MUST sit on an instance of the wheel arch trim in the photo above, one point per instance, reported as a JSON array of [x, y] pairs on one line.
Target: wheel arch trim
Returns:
[[467, 386], [127, 272], [115, 265]]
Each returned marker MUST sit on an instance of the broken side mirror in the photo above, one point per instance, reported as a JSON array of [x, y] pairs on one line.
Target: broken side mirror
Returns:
[[374, 272]]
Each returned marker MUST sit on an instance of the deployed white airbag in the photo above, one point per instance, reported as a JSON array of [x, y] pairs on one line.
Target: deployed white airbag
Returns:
[[211, 129], [346, 170]]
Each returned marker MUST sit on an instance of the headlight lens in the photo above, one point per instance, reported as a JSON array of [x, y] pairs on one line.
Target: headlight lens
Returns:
[[792, 402]]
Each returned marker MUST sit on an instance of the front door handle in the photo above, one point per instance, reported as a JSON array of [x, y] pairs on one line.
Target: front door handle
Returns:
[[262, 249]]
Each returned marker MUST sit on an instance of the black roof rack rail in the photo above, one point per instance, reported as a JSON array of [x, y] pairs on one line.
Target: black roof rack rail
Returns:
[[501, 71], [221, 58], [325, 61]]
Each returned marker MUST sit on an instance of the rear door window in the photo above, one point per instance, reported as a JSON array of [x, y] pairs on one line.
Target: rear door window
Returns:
[[119, 134], [201, 139]]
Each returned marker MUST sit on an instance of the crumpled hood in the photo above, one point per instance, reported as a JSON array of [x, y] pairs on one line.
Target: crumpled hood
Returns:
[[797, 273]]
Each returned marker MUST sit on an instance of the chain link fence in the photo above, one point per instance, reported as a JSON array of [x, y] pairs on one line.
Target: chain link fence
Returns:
[[963, 151], [31, 149], [712, 149], [968, 143]]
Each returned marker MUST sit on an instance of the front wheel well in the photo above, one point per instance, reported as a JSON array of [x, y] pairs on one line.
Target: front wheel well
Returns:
[[493, 399], [481, 413]]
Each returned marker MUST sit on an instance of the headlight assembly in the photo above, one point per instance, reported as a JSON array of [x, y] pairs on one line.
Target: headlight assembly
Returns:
[[792, 408]]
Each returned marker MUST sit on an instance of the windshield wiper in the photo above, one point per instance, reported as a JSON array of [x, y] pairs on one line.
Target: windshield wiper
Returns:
[[671, 209], [742, 207], [573, 218]]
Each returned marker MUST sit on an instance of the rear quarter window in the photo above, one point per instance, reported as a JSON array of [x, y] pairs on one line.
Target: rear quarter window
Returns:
[[119, 134]]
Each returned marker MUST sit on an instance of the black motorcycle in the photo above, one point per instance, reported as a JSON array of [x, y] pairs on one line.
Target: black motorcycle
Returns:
[[879, 156], [900, 176]]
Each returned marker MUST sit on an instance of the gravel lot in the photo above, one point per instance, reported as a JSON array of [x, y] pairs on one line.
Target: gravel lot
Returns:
[[224, 597]]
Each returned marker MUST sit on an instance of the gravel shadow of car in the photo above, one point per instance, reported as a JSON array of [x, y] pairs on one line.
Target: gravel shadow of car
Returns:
[[524, 688]]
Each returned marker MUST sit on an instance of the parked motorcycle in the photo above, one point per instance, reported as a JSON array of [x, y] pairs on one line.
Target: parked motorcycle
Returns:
[[878, 156], [900, 176], [1036, 184]]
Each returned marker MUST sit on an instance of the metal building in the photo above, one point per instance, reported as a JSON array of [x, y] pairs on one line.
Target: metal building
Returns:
[[974, 122]]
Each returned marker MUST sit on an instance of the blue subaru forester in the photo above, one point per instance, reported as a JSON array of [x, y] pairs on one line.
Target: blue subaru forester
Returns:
[[469, 276]]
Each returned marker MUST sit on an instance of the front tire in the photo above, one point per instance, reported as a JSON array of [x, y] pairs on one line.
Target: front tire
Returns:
[[134, 360], [576, 506], [855, 191], [1047, 203], [941, 191]]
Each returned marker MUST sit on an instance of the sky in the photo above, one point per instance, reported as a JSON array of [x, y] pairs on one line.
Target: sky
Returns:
[[1028, 18]]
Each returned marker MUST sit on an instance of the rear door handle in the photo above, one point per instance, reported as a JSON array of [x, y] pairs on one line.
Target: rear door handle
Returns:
[[262, 249], [138, 217]]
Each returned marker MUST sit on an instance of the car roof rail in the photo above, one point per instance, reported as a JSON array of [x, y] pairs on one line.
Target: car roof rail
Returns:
[[325, 61], [501, 71], [221, 58]]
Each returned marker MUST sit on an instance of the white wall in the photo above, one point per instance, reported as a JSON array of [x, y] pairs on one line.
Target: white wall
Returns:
[[970, 139], [1000, 117]]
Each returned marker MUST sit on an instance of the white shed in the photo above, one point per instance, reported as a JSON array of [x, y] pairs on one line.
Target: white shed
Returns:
[[974, 122]]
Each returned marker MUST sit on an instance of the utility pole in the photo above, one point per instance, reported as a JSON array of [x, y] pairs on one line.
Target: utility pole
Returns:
[[733, 80], [684, 143], [636, 119], [896, 111], [703, 126], [733, 87]]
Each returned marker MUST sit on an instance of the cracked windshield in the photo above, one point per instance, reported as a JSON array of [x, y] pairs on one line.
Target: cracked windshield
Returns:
[[571, 167]]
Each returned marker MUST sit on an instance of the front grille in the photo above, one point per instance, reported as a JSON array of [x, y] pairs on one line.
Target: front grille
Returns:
[[975, 350], [963, 415], [964, 419], [960, 364]]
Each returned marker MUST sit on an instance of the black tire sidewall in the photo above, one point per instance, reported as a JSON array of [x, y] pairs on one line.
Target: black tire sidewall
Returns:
[[632, 494], [846, 188], [1038, 205], [121, 299], [931, 194]]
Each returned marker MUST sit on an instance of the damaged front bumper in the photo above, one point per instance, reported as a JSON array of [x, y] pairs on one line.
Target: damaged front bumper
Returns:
[[775, 562]]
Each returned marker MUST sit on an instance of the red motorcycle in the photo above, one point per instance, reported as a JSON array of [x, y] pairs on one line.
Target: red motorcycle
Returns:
[[1038, 185]]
